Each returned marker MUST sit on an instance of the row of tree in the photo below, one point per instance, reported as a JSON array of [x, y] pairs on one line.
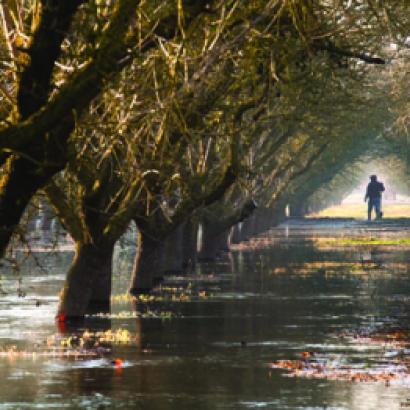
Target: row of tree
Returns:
[[180, 114]]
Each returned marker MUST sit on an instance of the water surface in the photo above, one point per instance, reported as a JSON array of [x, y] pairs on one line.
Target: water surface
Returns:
[[290, 290]]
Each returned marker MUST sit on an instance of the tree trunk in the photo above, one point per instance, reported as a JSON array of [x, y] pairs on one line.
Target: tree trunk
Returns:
[[208, 246], [298, 210], [273, 217], [212, 243], [247, 230], [190, 244], [87, 288], [29, 219], [223, 240], [262, 220], [278, 215], [236, 233], [173, 252], [100, 300], [257, 224], [46, 217], [148, 265], [19, 183]]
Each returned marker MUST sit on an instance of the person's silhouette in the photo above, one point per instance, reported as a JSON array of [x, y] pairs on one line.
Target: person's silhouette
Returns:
[[374, 195]]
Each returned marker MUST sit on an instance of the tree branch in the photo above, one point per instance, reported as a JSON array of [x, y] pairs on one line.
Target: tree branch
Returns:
[[350, 54], [64, 210], [221, 224], [35, 81]]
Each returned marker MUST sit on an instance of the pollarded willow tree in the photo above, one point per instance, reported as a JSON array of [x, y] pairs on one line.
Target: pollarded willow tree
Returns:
[[125, 168], [44, 96], [169, 192], [157, 166], [137, 174]]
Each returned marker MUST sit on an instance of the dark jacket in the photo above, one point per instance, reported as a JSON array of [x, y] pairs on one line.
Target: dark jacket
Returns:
[[374, 189]]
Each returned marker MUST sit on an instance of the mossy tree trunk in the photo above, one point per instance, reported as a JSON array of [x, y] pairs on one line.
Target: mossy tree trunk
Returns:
[[223, 240], [87, 288], [43, 124], [190, 244], [248, 228], [211, 241], [216, 227], [148, 265], [236, 233], [173, 252]]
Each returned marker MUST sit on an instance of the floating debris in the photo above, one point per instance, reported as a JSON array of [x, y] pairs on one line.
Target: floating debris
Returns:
[[391, 336], [166, 294], [55, 352], [255, 243], [92, 340], [87, 344], [149, 314], [392, 364], [330, 370]]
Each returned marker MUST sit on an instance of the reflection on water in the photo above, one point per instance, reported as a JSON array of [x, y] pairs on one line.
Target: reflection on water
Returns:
[[279, 295]]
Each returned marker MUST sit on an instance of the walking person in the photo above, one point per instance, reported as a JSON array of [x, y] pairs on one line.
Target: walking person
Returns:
[[374, 195]]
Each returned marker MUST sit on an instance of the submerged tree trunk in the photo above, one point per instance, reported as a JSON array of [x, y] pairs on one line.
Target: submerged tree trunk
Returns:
[[173, 252], [213, 241], [208, 246], [236, 233], [257, 222], [148, 265], [223, 240], [100, 300], [278, 215], [87, 288], [216, 227], [247, 230], [298, 210], [190, 244], [262, 221]]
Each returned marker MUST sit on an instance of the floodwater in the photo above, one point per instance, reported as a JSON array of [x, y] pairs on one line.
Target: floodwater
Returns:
[[208, 341]]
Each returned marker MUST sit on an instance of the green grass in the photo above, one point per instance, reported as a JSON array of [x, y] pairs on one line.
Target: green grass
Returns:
[[359, 211], [369, 241]]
